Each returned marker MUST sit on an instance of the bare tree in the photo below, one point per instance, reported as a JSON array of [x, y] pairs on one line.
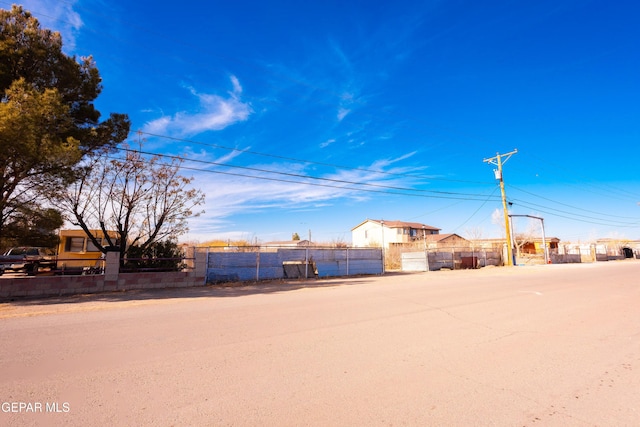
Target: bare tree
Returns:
[[527, 236], [338, 242], [474, 234], [142, 199]]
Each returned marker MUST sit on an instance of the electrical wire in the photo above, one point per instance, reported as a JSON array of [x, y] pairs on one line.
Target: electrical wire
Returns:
[[567, 205], [347, 185], [279, 157], [397, 190], [477, 210], [583, 181], [580, 218], [207, 51], [400, 190]]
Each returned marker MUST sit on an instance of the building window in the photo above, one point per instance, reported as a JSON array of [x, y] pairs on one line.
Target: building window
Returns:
[[93, 248], [75, 244]]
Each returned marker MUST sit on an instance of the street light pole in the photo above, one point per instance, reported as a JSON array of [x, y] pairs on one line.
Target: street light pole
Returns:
[[544, 239], [383, 260], [426, 255], [544, 243]]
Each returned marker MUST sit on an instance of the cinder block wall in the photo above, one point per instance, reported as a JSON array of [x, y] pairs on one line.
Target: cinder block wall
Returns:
[[41, 286]]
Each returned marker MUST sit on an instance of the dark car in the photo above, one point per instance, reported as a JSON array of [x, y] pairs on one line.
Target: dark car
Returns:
[[29, 259]]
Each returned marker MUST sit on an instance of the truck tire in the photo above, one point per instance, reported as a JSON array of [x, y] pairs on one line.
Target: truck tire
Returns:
[[32, 270]]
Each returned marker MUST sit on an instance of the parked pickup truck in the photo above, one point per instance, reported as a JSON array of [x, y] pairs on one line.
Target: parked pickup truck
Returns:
[[27, 259]]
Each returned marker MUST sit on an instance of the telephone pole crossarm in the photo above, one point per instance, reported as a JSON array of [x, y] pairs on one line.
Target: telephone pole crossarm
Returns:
[[498, 158]]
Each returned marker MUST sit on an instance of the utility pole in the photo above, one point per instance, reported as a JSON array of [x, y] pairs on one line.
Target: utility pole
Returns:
[[497, 161]]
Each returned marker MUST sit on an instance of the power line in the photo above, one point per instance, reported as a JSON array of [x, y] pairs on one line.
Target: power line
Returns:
[[567, 205], [431, 193], [587, 219], [240, 60], [279, 157], [583, 183], [377, 188], [244, 62], [477, 210]]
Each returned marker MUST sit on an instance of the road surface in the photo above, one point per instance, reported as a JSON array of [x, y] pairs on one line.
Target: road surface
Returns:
[[555, 345]]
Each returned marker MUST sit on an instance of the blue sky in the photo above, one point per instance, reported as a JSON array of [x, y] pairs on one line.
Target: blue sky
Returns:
[[386, 108]]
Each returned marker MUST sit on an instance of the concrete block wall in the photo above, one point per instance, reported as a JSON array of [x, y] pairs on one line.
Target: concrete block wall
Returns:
[[111, 281]]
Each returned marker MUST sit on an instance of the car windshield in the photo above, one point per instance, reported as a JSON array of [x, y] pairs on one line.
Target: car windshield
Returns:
[[30, 251], [17, 251]]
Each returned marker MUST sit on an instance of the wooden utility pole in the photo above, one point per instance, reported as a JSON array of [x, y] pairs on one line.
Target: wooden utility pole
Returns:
[[497, 161]]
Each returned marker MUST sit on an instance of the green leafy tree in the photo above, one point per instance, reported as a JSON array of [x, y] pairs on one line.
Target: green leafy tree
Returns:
[[163, 255], [295, 236], [48, 123], [32, 226]]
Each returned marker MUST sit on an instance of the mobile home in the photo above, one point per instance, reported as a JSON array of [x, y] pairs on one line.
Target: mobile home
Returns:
[[76, 251]]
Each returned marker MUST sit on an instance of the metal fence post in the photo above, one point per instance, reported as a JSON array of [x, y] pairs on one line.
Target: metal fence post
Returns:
[[306, 263], [347, 261], [258, 266]]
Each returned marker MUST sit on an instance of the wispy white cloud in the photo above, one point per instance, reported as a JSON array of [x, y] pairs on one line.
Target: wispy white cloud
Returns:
[[382, 163], [157, 126], [229, 156], [342, 113], [327, 143], [347, 101], [57, 16], [214, 113], [237, 89], [229, 195], [208, 156]]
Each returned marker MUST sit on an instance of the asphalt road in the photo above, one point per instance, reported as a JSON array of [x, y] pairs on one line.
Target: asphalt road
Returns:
[[524, 346]]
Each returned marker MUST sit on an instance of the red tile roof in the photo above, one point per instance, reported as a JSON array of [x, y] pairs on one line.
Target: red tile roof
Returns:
[[404, 224], [441, 237]]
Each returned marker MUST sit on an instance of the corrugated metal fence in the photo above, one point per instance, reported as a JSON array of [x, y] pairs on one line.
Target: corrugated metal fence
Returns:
[[292, 263], [450, 259]]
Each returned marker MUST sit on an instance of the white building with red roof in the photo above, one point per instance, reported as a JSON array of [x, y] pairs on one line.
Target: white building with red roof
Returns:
[[379, 233]]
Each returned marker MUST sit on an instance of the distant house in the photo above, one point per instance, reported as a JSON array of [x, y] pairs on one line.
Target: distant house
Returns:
[[530, 246], [443, 241], [378, 233], [623, 248], [534, 246], [285, 244]]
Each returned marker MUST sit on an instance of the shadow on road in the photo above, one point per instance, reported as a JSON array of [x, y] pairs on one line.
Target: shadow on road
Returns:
[[208, 291]]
